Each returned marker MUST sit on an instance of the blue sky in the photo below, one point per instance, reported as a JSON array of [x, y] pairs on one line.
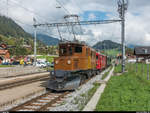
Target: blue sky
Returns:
[[94, 15]]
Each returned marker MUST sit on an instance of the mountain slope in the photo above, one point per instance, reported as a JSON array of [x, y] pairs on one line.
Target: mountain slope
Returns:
[[9, 28], [47, 40], [107, 44]]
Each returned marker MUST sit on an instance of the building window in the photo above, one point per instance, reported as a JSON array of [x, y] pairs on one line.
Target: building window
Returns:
[[145, 51]]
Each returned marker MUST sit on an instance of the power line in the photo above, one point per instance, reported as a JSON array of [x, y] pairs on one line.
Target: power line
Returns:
[[42, 17], [28, 10], [63, 6]]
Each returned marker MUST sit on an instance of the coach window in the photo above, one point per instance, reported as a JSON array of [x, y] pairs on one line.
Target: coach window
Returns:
[[78, 49], [96, 57]]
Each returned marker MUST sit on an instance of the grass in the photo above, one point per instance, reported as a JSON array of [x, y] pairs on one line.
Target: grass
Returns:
[[104, 76], [83, 99], [112, 52], [118, 69], [127, 92], [89, 95], [6, 66]]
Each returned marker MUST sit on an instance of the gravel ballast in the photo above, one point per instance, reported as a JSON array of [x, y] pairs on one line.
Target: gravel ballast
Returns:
[[75, 101]]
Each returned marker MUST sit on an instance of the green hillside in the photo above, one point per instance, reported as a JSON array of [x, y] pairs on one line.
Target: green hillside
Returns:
[[111, 48], [112, 52], [9, 28], [47, 40], [17, 39], [107, 44]]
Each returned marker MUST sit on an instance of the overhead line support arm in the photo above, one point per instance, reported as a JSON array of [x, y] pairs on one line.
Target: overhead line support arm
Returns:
[[78, 23]]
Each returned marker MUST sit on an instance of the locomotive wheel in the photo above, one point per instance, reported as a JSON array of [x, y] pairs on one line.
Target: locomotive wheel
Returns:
[[83, 78], [89, 74], [97, 72]]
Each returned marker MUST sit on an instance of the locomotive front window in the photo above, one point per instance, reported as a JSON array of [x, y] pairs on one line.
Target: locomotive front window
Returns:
[[78, 49], [70, 50], [63, 51]]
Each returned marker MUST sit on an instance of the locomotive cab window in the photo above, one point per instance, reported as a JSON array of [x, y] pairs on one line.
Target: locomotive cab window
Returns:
[[78, 49], [63, 51], [70, 50]]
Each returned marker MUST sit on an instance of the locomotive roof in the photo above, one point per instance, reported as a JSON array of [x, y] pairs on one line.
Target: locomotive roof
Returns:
[[76, 42]]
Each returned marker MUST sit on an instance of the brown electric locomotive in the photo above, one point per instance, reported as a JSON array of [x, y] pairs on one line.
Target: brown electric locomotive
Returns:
[[76, 62]]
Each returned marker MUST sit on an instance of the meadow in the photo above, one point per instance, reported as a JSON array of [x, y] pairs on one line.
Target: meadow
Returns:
[[129, 91]]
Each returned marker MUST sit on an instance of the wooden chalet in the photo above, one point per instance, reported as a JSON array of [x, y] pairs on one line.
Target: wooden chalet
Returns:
[[142, 52], [4, 53]]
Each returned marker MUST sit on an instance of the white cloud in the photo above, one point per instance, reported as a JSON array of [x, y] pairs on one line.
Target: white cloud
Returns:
[[91, 16], [137, 17]]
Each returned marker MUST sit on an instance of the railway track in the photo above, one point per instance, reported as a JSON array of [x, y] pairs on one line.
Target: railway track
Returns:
[[41, 103], [16, 84], [44, 102]]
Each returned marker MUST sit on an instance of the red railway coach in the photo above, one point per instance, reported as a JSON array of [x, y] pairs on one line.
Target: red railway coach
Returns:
[[100, 61]]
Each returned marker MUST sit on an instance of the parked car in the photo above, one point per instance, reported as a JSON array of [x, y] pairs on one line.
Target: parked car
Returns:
[[29, 63], [6, 63], [40, 64], [52, 64], [48, 64], [131, 60], [15, 63]]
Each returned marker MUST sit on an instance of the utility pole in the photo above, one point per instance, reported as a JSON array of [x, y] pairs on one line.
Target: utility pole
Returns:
[[122, 7], [34, 40]]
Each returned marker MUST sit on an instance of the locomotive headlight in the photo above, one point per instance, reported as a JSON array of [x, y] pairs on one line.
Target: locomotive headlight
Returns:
[[69, 61], [52, 73], [56, 61]]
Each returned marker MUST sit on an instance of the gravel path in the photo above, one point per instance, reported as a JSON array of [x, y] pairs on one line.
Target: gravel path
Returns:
[[94, 100], [75, 101]]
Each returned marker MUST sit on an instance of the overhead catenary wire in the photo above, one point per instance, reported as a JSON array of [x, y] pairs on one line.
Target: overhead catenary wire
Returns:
[[62, 6], [19, 5], [42, 18]]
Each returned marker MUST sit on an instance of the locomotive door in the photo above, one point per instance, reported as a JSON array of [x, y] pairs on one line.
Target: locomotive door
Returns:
[[76, 64]]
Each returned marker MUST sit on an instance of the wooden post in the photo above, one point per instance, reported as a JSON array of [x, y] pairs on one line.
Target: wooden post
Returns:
[[142, 68], [147, 71], [136, 65]]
